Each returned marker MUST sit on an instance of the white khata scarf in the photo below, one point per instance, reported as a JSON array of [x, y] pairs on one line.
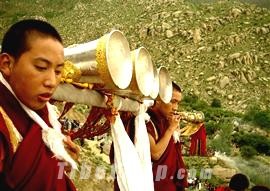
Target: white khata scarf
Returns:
[[133, 162], [52, 137]]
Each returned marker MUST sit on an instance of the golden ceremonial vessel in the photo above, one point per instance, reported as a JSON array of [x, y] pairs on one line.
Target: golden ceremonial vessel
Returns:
[[105, 61], [194, 120]]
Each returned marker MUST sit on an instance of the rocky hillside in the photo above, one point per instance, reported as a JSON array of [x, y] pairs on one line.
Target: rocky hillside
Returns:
[[214, 49]]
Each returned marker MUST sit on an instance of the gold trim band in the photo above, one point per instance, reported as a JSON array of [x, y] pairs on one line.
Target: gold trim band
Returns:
[[14, 139], [102, 61]]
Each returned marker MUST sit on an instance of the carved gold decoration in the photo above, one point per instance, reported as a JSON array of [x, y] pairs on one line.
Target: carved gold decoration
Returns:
[[101, 60], [71, 75], [193, 117]]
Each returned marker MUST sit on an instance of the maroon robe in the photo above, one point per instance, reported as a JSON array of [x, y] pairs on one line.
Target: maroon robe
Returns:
[[32, 167], [174, 174], [223, 188]]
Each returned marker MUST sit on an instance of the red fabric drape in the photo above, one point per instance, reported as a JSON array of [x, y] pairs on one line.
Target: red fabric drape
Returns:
[[198, 142], [222, 188], [96, 124]]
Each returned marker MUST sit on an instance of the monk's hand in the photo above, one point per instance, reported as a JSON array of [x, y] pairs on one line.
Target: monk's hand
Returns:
[[72, 149], [173, 120], [111, 115]]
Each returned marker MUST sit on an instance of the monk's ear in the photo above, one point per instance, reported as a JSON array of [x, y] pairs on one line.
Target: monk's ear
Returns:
[[5, 64]]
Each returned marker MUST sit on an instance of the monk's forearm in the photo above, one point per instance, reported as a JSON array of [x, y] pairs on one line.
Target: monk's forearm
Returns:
[[159, 148]]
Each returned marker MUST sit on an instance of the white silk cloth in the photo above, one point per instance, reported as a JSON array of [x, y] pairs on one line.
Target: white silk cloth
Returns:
[[133, 162], [52, 137]]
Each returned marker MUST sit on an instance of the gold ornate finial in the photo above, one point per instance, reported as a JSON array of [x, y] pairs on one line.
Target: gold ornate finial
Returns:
[[70, 72]]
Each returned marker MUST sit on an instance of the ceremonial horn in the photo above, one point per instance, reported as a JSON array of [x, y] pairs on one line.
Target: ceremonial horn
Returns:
[[105, 61], [165, 85], [143, 72], [155, 89]]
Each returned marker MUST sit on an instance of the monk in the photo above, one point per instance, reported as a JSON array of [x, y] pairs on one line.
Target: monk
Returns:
[[31, 62], [238, 182], [169, 171]]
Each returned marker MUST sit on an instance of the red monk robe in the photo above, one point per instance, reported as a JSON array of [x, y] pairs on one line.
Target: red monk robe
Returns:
[[32, 166], [223, 188], [174, 175]]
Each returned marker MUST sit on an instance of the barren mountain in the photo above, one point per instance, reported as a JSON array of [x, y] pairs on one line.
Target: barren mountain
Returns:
[[214, 49]]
